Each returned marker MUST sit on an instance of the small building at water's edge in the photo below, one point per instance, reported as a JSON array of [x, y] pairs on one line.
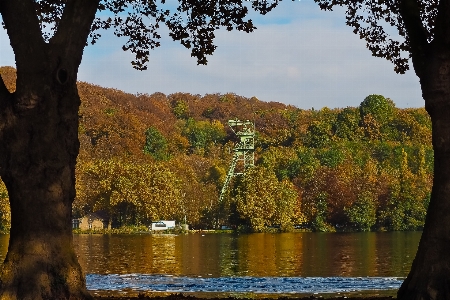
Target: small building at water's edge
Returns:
[[92, 221]]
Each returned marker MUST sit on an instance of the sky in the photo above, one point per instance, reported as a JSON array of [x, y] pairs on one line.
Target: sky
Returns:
[[299, 55]]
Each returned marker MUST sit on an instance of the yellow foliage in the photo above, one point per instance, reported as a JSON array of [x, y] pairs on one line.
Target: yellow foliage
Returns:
[[5, 211]]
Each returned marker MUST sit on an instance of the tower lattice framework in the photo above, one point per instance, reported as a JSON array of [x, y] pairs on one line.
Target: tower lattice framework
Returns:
[[244, 150]]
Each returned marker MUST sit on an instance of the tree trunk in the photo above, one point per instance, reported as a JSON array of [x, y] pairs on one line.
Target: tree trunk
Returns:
[[38, 150], [41, 147], [429, 277]]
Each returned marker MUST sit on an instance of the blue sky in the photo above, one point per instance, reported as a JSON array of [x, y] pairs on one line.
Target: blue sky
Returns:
[[299, 55]]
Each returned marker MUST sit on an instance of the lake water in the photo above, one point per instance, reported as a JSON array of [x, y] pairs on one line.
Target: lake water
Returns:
[[288, 264]]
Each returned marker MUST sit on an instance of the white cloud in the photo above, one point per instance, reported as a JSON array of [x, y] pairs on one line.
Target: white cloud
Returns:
[[298, 55]]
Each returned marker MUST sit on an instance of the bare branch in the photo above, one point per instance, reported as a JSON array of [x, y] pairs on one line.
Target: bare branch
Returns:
[[4, 93], [22, 26], [4, 96], [410, 12], [74, 28], [442, 26], [2, 155]]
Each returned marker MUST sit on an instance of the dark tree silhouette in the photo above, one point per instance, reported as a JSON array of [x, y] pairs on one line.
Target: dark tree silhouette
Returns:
[[39, 120], [423, 29]]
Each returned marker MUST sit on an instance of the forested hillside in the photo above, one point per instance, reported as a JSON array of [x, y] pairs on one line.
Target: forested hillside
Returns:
[[150, 157]]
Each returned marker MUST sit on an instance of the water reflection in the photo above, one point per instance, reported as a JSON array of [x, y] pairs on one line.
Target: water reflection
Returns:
[[265, 262], [387, 254], [371, 254]]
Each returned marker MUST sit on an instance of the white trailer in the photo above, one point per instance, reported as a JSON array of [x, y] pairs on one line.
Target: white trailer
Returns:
[[162, 225]]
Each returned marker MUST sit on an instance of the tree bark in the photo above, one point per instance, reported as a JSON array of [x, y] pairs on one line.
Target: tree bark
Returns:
[[429, 277], [41, 149], [38, 150]]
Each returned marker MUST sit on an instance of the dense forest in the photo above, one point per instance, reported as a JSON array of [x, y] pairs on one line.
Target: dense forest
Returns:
[[149, 157]]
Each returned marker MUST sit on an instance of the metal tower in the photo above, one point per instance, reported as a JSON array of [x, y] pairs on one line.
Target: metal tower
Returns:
[[244, 150]]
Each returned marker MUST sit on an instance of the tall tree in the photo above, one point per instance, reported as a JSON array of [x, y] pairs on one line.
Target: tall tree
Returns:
[[39, 120], [423, 29]]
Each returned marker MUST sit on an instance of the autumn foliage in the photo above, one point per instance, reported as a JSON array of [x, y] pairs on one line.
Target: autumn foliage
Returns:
[[150, 157]]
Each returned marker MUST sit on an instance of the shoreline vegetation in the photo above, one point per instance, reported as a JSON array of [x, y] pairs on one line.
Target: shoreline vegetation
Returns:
[[165, 157], [169, 231], [179, 230]]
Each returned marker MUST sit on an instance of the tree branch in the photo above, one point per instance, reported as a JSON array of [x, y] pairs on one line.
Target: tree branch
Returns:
[[2, 154], [74, 28], [4, 96], [22, 26], [410, 12], [4, 93], [442, 26]]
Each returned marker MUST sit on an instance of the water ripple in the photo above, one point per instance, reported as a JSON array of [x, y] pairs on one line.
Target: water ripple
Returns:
[[263, 285]]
